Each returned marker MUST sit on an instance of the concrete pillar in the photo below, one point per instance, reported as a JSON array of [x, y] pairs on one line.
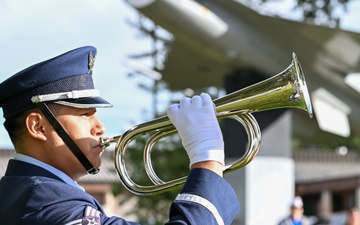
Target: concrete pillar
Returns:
[[357, 197], [265, 186], [325, 205]]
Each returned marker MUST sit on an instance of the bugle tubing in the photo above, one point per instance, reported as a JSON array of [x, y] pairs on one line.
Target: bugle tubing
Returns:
[[287, 89]]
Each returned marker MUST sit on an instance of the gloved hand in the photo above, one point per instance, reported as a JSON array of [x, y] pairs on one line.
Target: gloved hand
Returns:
[[195, 120]]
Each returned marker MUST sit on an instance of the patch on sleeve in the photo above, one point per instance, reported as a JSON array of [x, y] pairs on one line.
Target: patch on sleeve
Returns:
[[91, 217], [202, 201]]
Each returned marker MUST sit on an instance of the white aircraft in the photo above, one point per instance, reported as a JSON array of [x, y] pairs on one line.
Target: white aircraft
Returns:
[[216, 37]]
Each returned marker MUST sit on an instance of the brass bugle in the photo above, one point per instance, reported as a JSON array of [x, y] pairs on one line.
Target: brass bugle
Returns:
[[287, 89]]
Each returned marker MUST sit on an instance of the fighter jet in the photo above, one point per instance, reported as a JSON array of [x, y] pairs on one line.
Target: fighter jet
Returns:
[[213, 38]]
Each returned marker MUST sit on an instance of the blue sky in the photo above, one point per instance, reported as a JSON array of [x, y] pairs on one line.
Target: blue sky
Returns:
[[34, 30]]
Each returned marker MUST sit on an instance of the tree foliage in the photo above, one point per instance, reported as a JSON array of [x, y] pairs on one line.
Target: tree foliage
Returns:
[[169, 161], [320, 12]]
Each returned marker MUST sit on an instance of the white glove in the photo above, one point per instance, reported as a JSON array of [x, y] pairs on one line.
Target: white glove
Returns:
[[195, 120]]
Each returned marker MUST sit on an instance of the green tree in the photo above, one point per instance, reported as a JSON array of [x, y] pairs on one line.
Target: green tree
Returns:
[[169, 162], [168, 158], [320, 12]]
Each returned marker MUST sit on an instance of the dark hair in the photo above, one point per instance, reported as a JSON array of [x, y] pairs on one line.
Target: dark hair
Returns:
[[15, 125]]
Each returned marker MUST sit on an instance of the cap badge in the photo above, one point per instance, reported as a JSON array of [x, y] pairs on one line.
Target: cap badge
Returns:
[[91, 62]]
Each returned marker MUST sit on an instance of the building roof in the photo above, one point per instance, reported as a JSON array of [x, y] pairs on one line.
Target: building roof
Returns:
[[321, 166], [5, 155]]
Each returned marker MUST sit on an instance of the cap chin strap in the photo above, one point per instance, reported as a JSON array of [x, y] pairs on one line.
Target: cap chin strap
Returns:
[[66, 138]]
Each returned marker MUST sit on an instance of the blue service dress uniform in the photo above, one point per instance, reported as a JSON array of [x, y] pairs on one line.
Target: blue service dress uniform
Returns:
[[31, 195]]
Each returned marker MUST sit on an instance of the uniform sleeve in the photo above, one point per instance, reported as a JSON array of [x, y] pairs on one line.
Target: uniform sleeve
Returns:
[[206, 198]]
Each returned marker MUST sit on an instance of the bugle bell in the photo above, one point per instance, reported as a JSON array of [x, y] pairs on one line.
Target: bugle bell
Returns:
[[287, 89]]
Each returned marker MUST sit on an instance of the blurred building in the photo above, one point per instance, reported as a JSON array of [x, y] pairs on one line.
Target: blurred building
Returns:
[[328, 182]]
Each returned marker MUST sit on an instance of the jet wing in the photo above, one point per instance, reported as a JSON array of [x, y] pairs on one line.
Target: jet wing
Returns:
[[217, 37]]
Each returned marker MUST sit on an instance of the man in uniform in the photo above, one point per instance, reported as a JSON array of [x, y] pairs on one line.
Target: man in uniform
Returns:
[[50, 115]]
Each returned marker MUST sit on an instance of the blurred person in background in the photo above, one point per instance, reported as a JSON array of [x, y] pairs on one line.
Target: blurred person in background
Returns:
[[353, 217], [296, 216]]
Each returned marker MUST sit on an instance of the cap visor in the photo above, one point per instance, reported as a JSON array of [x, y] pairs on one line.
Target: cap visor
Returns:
[[88, 102]]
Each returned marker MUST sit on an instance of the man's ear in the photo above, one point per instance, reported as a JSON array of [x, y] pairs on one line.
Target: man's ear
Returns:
[[35, 124]]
